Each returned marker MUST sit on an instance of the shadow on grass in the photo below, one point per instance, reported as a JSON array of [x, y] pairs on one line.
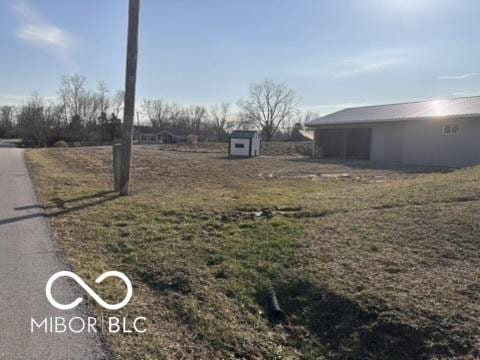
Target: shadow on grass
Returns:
[[83, 203], [348, 330], [60, 208], [60, 203], [236, 157], [376, 165]]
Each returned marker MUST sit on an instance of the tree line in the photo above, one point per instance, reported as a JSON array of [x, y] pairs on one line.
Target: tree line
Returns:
[[85, 116]]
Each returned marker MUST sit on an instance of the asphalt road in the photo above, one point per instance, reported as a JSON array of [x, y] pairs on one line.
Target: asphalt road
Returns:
[[28, 257]]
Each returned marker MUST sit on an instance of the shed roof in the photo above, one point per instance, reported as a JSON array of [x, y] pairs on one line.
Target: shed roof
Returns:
[[449, 108], [243, 134]]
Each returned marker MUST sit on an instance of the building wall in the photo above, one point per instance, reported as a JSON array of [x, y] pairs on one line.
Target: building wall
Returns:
[[239, 151], [255, 146], [423, 142], [147, 138], [387, 142], [157, 138]]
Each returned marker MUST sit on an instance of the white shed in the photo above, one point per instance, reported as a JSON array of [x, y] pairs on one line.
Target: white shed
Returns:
[[244, 143]]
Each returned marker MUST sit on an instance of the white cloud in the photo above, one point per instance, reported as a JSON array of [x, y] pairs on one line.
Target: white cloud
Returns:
[[38, 32], [371, 62], [45, 35], [458, 77]]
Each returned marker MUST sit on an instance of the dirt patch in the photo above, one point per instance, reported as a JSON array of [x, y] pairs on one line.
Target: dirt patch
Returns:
[[284, 148]]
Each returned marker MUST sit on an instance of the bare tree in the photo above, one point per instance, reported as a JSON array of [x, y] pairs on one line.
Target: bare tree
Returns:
[[36, 121], [162, 113], [103, 97], [269, 106], [84, 110], [222, 121], [78, 114], [296, 122], [117, 103], [296, 125], [72, 93], [176, 112], [193, 117], [309, 116], [7, 123], [243, 123], [157, 112]]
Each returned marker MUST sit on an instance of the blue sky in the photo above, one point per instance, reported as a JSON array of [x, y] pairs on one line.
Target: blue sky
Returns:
[[333, 53]]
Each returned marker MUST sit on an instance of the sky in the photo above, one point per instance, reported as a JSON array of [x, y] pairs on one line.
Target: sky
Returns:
[[333, 53]]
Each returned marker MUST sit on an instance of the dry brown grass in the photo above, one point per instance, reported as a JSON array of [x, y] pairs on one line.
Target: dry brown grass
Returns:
[[368, 262], [274, 148]]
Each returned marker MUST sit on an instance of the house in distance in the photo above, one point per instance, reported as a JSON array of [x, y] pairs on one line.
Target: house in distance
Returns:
[[244, 143], [152, 135], [432, 133]]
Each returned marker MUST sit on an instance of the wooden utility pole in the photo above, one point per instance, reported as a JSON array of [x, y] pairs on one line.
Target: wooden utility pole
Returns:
[[129, 102]]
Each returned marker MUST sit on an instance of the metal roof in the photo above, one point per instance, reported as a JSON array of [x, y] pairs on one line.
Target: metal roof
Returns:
[[243, 134], [453, 108]]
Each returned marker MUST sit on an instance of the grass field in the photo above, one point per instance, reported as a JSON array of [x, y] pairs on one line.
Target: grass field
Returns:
[[367, 262]]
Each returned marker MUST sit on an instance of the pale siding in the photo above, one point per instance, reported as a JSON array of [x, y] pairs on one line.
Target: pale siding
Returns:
[[387, 142], [425, 143], [255, 146], [377, 149], [239, 151]]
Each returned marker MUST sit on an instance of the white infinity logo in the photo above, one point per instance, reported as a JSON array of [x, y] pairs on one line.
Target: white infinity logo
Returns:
[[88, 289]]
